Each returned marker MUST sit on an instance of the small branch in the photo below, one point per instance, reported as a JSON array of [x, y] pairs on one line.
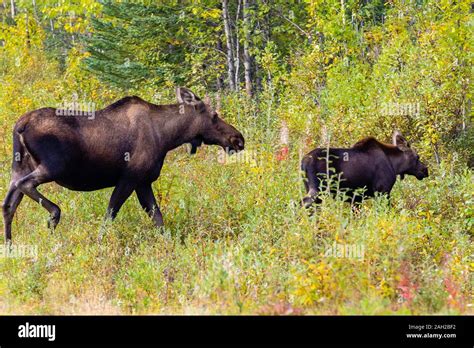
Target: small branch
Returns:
[[308, 35]]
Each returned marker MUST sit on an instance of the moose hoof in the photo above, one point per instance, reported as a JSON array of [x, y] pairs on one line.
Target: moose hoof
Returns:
[[52, 224], [54, 220], [307, 202], [8, 244]]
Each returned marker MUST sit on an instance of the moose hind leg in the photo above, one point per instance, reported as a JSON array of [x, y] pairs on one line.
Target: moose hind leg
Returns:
[[28, 184], [9, 206]]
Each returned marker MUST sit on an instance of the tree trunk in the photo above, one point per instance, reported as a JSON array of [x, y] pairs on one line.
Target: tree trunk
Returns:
[[237, 48], [35, 11], [247, 56], [230, 49], [266, 30], [258, 79], [27, 25], [343, 12], [13, 9], [4, 9], [220, 79]]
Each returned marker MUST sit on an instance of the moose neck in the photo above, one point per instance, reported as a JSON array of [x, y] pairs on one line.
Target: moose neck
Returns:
[[396, 159], [179, 126]]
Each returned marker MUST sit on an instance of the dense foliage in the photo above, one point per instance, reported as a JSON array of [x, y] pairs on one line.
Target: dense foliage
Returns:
[[236, 242]]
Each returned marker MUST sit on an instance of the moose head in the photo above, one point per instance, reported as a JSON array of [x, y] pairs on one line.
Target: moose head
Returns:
[[210, 129], [409, 162]]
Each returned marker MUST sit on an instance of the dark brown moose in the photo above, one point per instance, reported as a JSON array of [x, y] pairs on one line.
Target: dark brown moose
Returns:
[[368, 165], [123, 146]]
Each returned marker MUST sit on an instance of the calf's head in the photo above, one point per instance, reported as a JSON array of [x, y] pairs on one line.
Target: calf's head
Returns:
[[209, 127], [409, 162]]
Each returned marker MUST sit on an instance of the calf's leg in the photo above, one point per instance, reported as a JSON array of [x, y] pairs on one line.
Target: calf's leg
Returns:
[[311, 183], [356, 203], [310, 199], [312, 188], [148, 203]]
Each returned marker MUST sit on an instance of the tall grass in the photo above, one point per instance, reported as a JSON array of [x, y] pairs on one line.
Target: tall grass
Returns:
[[236, 242]]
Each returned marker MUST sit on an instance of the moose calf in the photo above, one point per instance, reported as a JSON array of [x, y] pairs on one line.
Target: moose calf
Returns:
[[369, 165]]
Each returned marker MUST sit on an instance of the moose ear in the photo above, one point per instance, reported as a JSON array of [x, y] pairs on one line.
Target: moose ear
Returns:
[[399, 141], [185, 96]]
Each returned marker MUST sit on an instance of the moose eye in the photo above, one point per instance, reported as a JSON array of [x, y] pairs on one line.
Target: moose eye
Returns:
[[214, 117]]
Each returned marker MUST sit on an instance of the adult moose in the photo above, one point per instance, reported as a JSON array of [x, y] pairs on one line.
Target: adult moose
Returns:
[[368, 165], [123, 146]]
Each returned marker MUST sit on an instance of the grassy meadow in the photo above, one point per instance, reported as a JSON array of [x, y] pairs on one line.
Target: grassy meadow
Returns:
[[237, 243], [236, 240]]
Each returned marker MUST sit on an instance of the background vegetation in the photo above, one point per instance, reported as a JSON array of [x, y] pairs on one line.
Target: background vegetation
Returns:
[[235, 241]]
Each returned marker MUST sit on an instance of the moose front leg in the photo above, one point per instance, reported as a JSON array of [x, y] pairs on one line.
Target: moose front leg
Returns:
[[384, 187], [311, 199], [122, 191], [147, 201], [356, 202]]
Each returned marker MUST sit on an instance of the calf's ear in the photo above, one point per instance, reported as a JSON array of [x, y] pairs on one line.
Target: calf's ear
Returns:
[[399, 141], [185, 96]]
